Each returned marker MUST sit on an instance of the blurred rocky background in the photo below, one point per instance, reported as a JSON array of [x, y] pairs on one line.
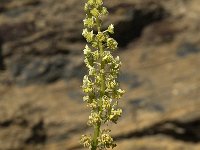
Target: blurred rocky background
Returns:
[[41, 70]]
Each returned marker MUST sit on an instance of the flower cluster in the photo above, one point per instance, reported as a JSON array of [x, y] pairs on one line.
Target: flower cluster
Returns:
[[100, 86], [105, 140]]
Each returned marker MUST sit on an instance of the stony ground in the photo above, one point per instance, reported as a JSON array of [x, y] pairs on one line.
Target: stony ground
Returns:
[[41, 68]]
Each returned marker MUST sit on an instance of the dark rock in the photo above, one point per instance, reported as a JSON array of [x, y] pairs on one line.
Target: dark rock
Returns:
[[140, 103], [2, 66], [14, 121], [75, 96], [16, 30], [38, 135], [137, 103], [39, 70], [6, 123], [132, 80], [187, 49], [77, 71], [137, 20], [156, 107], [184, 131]]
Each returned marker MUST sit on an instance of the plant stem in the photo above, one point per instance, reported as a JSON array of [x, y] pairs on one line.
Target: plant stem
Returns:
[[101, 50], [96, 134], [97, 127]]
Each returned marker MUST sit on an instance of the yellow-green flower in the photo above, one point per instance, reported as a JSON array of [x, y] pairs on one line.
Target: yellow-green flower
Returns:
[[100, 86]]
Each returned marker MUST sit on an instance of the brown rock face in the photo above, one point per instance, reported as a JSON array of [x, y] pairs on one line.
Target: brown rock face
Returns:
[[41, 68]]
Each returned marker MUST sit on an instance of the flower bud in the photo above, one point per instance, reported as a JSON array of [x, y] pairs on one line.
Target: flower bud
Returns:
[[111, 43], [111, 29]]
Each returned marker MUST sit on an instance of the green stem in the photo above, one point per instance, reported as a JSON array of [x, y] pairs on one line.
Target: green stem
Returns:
[[103, 73], [96, 135], [97, 127], [100, 47]]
